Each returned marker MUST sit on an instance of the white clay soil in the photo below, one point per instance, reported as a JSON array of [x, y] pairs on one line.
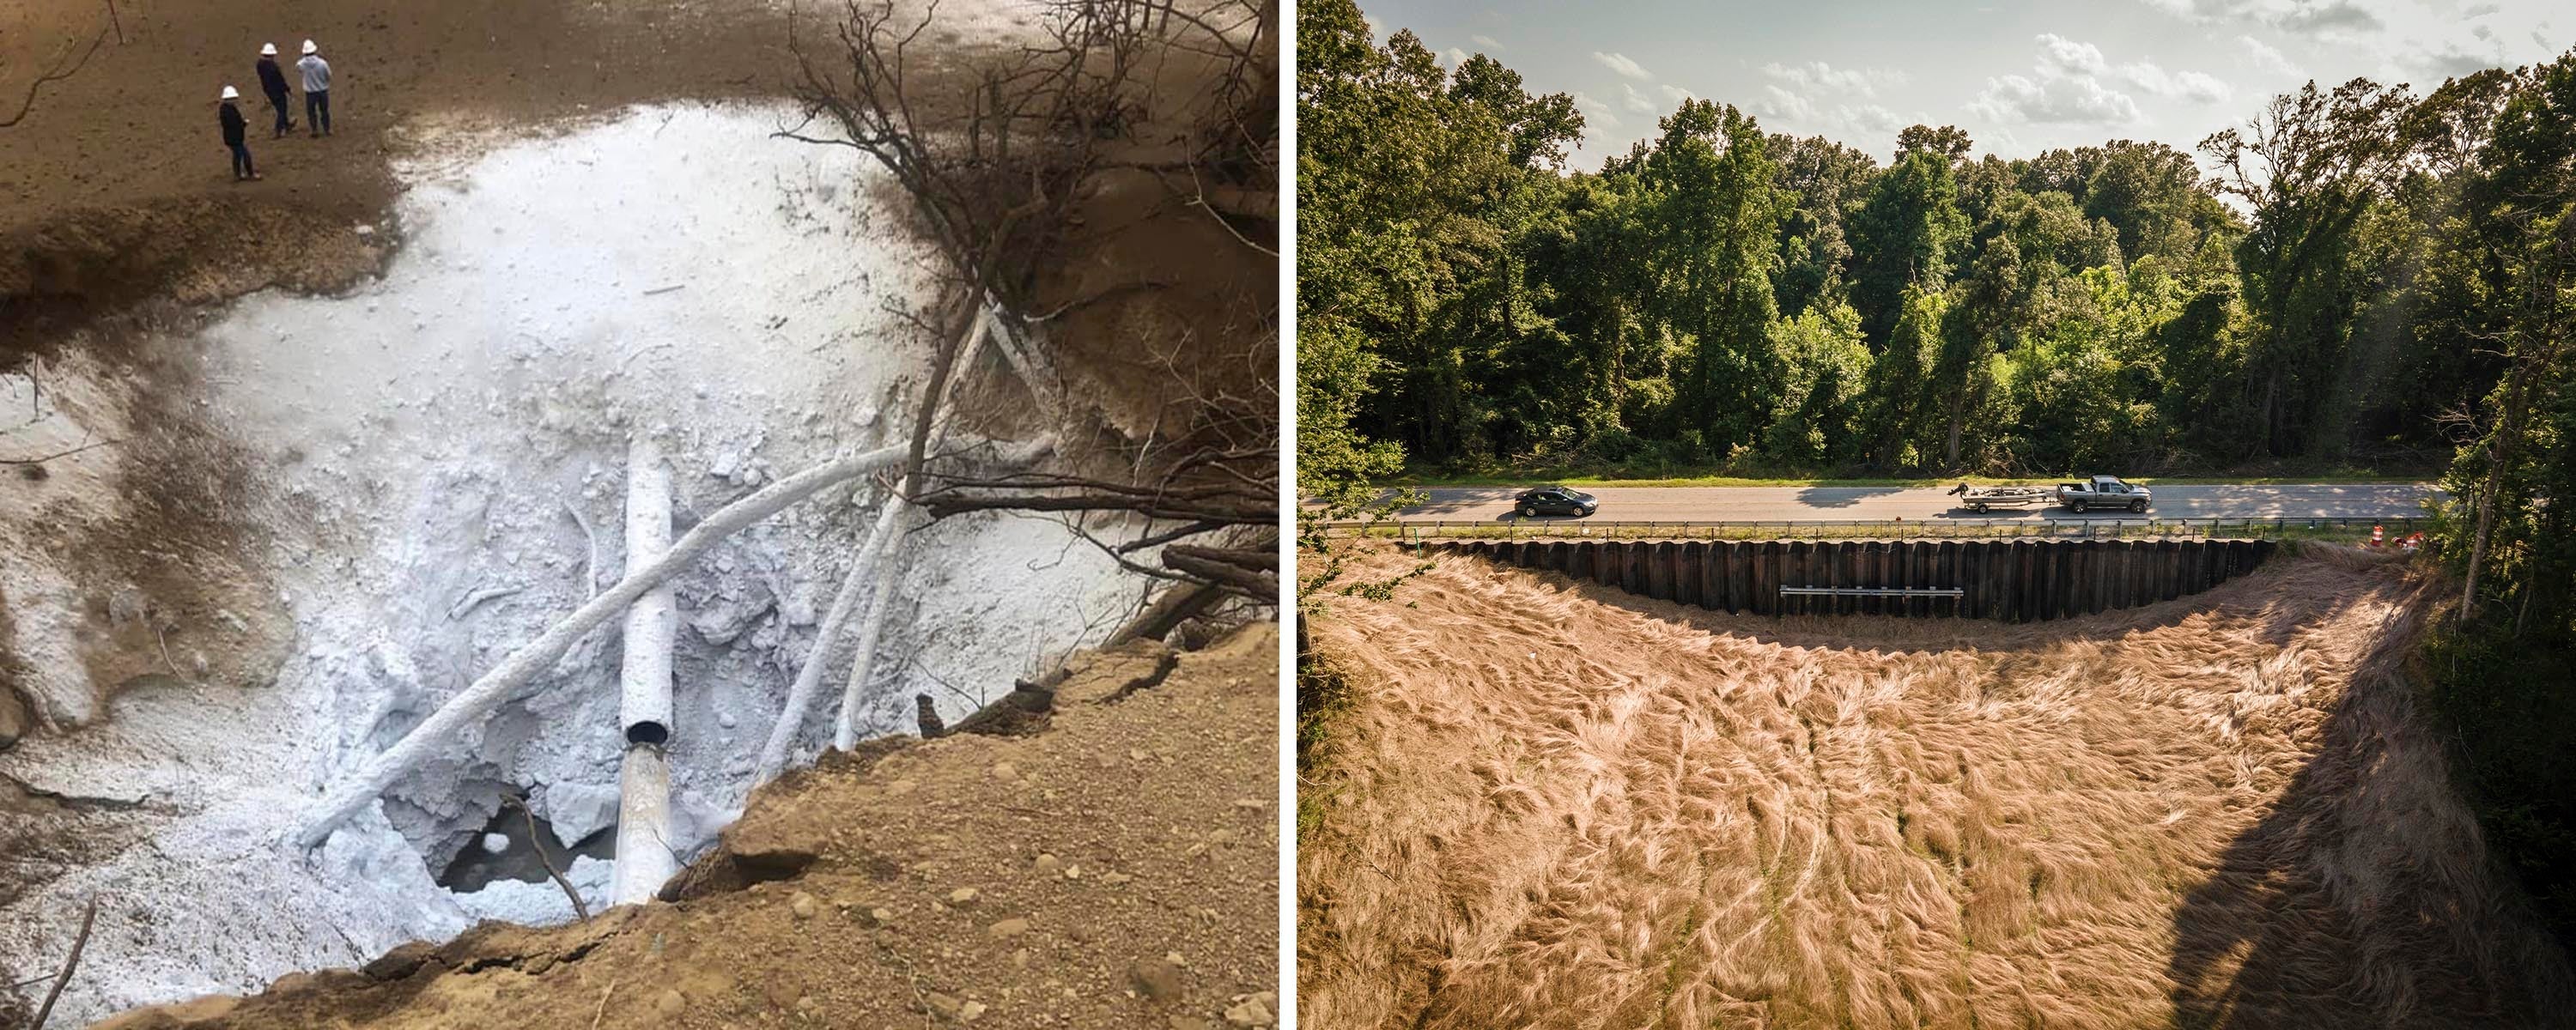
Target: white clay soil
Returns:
[[417, 450]]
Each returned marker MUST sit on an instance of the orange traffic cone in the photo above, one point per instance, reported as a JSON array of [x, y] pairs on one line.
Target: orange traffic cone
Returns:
[[2377, 535]]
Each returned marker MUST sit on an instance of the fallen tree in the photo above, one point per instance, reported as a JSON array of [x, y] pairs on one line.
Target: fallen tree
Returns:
[[996, 181], [809, 676]]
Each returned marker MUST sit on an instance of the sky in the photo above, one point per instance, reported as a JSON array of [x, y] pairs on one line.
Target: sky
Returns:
[[2021, 78]]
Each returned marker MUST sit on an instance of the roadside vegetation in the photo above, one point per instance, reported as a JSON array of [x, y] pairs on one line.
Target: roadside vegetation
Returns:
[[1721, 298]]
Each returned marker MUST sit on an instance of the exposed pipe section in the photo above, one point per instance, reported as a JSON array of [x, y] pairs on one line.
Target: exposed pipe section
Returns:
[[644, 858], [477, 701]]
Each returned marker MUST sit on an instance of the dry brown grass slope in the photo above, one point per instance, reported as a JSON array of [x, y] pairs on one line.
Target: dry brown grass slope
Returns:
[[1557, 805]]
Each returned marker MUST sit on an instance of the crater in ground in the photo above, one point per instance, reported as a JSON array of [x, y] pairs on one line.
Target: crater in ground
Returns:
[[359, 502], [1552, 803]]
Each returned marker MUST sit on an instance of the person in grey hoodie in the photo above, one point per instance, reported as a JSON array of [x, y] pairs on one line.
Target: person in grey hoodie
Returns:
[[317, 89]]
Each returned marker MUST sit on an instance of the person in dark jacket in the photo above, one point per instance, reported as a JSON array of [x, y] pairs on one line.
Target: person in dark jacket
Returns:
[[272, 81], [230, 117]]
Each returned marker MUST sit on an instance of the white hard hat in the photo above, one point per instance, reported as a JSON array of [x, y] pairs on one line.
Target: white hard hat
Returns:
[[268, 49], [309, 47], [231, 93]]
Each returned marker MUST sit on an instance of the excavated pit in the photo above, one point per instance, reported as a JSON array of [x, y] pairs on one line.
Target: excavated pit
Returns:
[[1545, 802], [409, 476]]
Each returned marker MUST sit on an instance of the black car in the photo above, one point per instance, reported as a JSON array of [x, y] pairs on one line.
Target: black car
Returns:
[[1555, 500]]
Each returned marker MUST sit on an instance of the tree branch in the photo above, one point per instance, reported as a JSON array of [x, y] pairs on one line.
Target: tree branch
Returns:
[[64, 67]]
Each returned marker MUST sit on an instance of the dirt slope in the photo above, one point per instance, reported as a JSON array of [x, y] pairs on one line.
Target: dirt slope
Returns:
[[1119, 869], [116, 186], [1552, 805]]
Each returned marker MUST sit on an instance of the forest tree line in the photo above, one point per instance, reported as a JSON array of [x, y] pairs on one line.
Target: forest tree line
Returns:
[[2370, 276], [1724, 296]]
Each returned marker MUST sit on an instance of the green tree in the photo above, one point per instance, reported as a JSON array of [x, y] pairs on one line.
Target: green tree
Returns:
[[2309, 167], [1824, 366], [1714, 229], [1824, 183], [1910, 232]]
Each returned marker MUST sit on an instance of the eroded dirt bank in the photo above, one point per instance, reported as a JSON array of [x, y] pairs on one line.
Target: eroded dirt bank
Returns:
[[1117, 869], [1551, 804], [115, 188]]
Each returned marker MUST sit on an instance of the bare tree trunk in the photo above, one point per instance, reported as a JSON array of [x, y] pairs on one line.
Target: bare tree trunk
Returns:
[[800, 694], [496, 686], [890, 565], [2506, 427], [1174, 606], [1958, 416], [889, 572]]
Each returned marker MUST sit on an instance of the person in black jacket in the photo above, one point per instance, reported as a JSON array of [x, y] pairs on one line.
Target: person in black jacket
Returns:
[[230, 117], [272, 81]]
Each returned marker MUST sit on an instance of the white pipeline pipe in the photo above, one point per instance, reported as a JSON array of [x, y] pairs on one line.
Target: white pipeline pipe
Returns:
[[644, 855], [477, 701], [644, 708], [645, 860]]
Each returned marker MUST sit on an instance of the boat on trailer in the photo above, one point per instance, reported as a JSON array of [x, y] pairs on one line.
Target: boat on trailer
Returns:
[[1981, 499]]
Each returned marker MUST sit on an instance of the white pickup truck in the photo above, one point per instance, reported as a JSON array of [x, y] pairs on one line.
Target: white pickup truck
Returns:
[[2103, 492]]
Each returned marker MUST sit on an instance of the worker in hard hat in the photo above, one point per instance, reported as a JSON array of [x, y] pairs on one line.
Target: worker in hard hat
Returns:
[[272, 81], [317, 89], [230, 117]]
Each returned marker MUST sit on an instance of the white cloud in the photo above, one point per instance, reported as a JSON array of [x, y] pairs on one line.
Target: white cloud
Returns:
[[1784, 111], [2072, 83], [2320, 16], [2065, 87], [1674, 93], [2073, 100], [1878, 121], [1488, 42], [2457, 57], [1819, 75], [2270, 60], [2428, 44], [1595, 113], [1829, 99], [2065, 56], [2196, 87], [1456, 56], [1784, 105], [1621, 64], [1636, 101]]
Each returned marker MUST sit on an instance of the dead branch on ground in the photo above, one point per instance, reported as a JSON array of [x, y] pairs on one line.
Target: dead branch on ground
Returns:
[[521, 803], [70, 963], [64, 67], [59, 454]]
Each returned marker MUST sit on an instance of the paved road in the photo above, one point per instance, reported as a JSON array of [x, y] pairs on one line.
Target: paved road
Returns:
[[1883, 504]]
